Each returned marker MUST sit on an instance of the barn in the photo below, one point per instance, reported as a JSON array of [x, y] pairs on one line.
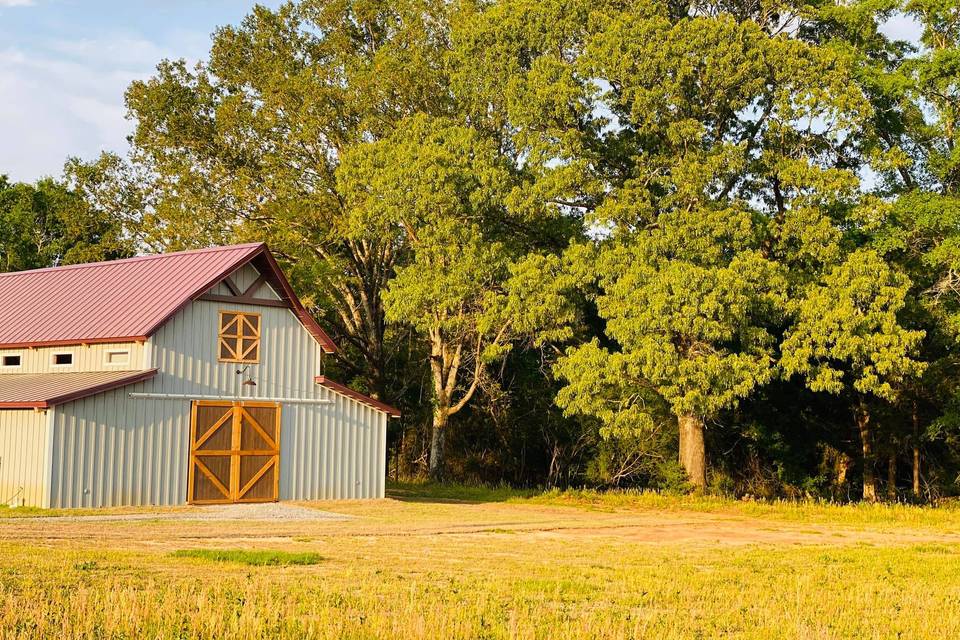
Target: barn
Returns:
[[192, 377]]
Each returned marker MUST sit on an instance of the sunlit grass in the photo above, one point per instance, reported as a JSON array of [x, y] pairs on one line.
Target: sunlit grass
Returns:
[[945, 516], [454, 562]]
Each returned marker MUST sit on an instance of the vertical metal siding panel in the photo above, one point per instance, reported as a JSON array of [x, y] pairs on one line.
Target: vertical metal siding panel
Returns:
[[316, 451], [344, 450], [287, 426], [325, 458], [347, 453], [335, 450], [23, 439], [361, 453], [377, 455], [315, 424], [373, 454], [340, 448], [330, 425], [56, 462], [382, 454], [354, 449], [302, 453], [366, 450], [363, 463], [304, 465]]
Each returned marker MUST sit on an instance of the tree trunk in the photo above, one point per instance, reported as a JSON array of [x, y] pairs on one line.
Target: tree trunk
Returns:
[[916, 453], [693, 452], [866, 442], [437, 441], [892, 476]]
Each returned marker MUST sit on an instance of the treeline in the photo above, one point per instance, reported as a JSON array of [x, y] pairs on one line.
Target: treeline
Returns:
[[657, 243]]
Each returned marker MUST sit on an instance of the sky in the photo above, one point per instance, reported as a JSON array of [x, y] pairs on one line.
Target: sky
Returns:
[[65, 64]]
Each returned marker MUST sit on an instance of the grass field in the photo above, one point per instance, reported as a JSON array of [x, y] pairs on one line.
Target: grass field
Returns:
[[451, 562]]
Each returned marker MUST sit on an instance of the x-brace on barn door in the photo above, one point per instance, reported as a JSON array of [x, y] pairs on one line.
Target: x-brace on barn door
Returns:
[[234, 452]]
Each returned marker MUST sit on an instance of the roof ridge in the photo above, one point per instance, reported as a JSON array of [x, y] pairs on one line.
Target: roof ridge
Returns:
[[143, 258]]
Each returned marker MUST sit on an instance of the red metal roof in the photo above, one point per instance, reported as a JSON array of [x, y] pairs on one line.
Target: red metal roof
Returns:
[[125, 300], [43, 390], [324, 381]]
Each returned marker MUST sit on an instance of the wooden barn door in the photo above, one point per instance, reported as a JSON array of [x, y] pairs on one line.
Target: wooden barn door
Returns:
[[234, 452]]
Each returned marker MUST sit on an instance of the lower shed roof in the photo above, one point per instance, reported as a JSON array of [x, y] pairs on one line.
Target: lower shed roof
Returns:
[[44, 390]]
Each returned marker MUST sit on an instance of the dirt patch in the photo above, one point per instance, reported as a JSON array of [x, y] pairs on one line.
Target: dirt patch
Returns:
[[258, 512], [285, 524]]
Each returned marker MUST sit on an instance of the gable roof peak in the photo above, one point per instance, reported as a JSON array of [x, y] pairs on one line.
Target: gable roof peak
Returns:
[[128, 299]]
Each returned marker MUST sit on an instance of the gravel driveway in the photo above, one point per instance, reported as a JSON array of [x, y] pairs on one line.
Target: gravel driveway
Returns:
[[266, 511]]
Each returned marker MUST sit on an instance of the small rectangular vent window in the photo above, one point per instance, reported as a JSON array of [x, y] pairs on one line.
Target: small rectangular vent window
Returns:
[[118, 357], [62, 359], [11, 361]]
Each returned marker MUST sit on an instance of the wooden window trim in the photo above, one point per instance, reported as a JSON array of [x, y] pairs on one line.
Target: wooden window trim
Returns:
[[241, 329]]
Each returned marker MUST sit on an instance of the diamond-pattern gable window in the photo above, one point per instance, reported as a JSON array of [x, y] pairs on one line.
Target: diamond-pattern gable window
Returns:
[[239, 337]]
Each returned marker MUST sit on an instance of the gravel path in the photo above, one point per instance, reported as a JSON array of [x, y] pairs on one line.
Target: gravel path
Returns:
[[267, 511]]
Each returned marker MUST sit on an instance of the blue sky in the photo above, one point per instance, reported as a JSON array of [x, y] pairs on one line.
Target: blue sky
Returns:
[[64, 65]]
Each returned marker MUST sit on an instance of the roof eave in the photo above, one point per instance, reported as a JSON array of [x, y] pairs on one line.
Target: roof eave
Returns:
[[74, 343], [359, 397], [82, 393], [102, 388]]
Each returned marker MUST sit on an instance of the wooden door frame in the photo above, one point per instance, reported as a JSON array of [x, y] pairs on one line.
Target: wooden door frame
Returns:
[[235, 452]]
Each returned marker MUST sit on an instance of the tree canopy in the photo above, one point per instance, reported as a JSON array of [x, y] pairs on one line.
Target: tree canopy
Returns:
[[585, 242]]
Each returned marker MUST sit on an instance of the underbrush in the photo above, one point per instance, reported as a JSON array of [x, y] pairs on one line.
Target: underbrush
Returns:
[[945, 516]]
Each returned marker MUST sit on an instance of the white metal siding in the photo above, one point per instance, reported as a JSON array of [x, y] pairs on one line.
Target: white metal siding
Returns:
[[23, 446], [332, 451], [111, 449], [91, 357]]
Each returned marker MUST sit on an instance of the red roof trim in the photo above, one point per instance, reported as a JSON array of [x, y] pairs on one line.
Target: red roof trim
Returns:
[[359, 397], [152, 256], [138, 376]]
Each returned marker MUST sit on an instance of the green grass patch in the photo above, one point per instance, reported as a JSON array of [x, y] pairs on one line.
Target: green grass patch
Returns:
[[24, 512], [253, 558]]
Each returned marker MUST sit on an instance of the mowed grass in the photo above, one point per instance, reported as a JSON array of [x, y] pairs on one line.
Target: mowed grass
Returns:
[[445, 563]]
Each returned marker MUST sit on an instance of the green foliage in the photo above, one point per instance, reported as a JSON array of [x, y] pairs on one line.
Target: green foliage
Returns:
[[847, 333], [48, 224]]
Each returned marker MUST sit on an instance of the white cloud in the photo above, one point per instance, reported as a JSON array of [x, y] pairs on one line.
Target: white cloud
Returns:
[[57, 107], [65, 98], [16, 3]]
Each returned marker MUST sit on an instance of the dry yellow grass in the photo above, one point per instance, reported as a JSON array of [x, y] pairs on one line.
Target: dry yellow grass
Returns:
[[427, 566]]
